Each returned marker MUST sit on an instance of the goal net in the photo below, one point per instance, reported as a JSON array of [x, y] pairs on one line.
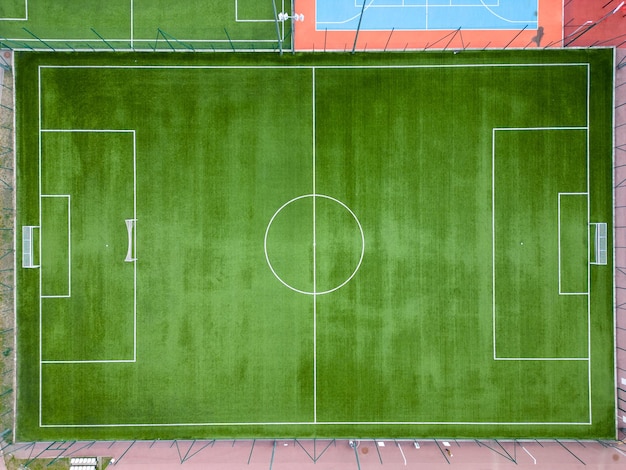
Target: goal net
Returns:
[[600, 244], [28, 253], [131, 254]]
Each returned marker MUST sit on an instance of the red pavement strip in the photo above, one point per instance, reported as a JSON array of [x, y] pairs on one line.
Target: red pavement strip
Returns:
[[338, 454]]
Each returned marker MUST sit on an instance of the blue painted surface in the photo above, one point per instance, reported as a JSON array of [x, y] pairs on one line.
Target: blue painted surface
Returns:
[[427, 14]]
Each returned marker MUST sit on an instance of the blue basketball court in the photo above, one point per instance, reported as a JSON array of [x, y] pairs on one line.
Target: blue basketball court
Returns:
[[424, 15]]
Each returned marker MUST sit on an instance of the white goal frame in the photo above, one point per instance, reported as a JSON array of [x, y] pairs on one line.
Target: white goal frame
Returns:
[[131, 254], [27, 246]]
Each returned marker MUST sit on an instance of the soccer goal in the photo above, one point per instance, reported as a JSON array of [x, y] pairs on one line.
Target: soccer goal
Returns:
[[600, 243], [28, 253], [131, 254]]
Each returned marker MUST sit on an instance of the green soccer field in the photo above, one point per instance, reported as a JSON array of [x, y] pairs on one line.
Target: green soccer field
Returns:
[[143, 25], [238, 245]]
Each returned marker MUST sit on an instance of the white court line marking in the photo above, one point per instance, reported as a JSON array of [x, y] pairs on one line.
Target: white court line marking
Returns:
[[427, 7], [19, 19], [352, 18], [493, 263], [283, 423], [559, 240], [506, 20], [436, 5]]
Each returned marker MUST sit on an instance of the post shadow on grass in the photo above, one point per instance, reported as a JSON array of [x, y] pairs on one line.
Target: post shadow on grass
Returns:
[[102, 39], [230, 40], [39, 39], [171, 40]]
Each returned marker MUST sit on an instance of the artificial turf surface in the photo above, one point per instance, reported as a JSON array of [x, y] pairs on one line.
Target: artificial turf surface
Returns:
[[417, 294], [142, 25]]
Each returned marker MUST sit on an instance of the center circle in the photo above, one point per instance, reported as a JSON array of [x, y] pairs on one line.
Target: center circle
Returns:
[[314, 244]]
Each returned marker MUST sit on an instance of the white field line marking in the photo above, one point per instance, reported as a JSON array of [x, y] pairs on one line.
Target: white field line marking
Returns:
[[541, 359], [323, 67], [136, 252], [40, 238], [69, 244], [321, 423], [124, 41], [559, 240], [589, 265], [19, 19], [613, 205], [493, 240], [314, 256], [493, 264], [239, 20], [17, 288], [132, 24], [111, 131], [354, 423], [547, 128], [90, 361], [267, 257]]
